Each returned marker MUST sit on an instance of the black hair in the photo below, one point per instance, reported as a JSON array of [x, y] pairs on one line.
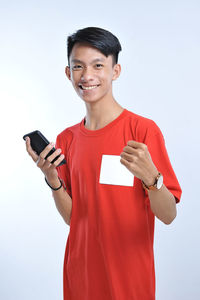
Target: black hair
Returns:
[[101, 39]]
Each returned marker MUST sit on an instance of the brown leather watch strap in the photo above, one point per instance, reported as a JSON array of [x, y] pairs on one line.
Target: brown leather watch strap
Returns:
[[151, 187]]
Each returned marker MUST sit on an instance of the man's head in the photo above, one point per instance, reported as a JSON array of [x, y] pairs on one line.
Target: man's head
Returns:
[[99, 38], [93, 55]]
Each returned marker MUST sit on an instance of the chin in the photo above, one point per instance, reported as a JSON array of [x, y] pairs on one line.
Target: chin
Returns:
[[91, 100]]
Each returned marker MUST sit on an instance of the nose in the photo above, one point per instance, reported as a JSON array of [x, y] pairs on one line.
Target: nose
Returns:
[[87, 74]]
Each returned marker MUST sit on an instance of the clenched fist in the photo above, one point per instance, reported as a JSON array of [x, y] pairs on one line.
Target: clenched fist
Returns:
[[137, 159]]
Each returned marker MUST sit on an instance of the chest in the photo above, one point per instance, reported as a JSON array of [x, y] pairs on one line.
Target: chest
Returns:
[[98, 159]]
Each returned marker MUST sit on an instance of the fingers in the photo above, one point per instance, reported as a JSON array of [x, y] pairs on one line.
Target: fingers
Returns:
[[58, 161], [137, 159], [128, 157], [46, 162], [135, 152], [136, 145], [55, 154], [46, 150], [40, 160], [30, 151], [125, 163], [130, 150]]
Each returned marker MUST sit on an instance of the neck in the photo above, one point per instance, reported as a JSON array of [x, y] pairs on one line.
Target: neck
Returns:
[[101, 113]]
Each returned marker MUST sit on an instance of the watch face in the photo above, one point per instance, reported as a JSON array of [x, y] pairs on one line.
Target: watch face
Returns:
[[159, 182]]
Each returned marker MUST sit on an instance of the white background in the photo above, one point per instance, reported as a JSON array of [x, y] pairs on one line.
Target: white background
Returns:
[[160, 80]]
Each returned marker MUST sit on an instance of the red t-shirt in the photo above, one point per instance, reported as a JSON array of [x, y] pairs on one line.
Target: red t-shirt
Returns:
[[109, 252]]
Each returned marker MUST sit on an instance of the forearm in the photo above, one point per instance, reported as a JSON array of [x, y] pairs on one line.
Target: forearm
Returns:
[[163, 204], [62, 200]]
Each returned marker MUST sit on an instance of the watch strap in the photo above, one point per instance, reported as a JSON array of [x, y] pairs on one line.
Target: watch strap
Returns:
[[154, 186]]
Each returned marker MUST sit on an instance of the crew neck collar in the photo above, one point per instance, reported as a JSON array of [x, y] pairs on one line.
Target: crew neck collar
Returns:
[[105, 128]]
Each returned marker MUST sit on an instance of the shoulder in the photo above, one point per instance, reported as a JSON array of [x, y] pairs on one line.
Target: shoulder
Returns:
[[68, 131], [65, 137], [141, 126]]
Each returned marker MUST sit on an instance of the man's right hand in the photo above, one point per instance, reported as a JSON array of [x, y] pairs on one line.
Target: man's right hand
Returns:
[[45, 165]]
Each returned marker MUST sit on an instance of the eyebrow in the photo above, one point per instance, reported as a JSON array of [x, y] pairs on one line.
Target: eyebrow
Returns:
[[93, 61]]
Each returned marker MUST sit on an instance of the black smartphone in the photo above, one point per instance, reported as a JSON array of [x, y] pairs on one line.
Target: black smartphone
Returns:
[[39, 142]]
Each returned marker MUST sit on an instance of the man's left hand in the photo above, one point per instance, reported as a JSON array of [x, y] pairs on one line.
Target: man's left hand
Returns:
[[137, 159]]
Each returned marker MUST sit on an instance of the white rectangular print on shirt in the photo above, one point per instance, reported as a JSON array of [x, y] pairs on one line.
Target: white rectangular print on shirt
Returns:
[[113, 172]]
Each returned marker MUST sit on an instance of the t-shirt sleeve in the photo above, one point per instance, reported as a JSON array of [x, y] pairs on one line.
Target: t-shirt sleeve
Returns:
[[63, 142], [157, 149]]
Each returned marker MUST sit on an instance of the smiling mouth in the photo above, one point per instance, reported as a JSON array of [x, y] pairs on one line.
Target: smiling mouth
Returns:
[[91, 87]]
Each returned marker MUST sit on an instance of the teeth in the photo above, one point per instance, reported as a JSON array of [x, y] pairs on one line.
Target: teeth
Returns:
[[88, 87]]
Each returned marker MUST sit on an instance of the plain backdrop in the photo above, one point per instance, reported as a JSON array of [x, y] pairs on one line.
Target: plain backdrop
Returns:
[[159, 80]]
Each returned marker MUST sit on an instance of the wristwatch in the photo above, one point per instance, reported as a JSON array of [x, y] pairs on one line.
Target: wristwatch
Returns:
[[157, 184]]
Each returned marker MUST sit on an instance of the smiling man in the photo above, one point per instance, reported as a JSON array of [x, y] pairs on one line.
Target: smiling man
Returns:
[[117, 179]]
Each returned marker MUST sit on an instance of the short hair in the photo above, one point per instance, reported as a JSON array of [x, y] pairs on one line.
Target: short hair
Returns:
[[99, 38]]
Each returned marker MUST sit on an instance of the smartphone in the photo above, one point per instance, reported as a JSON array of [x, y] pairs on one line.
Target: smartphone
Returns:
[[39, 142]]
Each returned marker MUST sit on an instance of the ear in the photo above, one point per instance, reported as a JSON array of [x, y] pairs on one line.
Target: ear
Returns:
[[67, 72], [116, 71]]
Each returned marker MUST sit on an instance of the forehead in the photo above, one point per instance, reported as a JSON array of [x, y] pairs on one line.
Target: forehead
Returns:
[[86, 54]]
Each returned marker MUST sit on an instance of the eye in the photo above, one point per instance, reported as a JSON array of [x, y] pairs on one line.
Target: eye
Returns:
[[76, 67], [99, 66]]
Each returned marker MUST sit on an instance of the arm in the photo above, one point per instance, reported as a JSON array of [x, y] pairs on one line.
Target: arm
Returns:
[[62, 200], [137, 159], [163, 204]]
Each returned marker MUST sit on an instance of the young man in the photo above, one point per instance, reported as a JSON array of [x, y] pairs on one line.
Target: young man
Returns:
[[118, 177]]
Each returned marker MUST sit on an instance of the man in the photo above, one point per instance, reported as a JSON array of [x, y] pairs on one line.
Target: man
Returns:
[[118, 177]]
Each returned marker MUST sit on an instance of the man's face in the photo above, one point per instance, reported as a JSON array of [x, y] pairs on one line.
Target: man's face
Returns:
[[91, 72]]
